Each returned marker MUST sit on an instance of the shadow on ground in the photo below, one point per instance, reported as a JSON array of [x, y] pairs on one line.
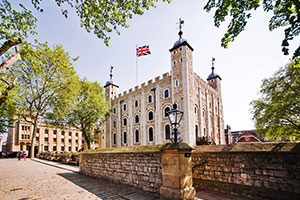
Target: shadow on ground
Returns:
[[106, 189]]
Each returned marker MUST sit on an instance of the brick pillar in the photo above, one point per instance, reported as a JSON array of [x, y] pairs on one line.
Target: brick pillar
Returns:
[[177, 181]]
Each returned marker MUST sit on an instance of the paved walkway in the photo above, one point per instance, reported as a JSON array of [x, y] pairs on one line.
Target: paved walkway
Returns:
[[41, 179]]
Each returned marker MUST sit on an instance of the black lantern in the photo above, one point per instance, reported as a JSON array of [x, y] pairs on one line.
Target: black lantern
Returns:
[[175, 117]]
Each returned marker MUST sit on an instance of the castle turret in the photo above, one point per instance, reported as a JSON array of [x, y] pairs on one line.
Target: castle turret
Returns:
[[110, 88], [182, 84], [214, 80]]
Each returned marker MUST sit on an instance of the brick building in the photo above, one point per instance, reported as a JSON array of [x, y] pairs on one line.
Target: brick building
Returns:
[[139, 116], [48, 138]]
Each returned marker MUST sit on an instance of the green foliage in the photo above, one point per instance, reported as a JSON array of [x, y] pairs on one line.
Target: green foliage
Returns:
[[104, 16], [285, 14], [45, 78], [15, 24], [277, 111], [88, 108]]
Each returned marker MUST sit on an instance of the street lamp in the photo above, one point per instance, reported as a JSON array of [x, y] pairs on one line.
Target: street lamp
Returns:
[[175, 117]]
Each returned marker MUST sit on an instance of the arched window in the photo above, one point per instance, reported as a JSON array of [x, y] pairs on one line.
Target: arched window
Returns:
[[115, 110], [150, 99], [167, 132], [115, 124], [137, 119], [136, 103], [195, 109], [124, 137], [167, 109], [203, 113], [196, 130], [124, 107], [137, 136], [166, 93], [150, 116], [125, 122], [150, 134]]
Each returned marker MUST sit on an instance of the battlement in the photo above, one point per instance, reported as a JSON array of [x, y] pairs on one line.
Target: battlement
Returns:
[[142, 86]]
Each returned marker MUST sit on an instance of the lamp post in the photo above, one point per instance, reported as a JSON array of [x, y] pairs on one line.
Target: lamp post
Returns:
[[175, 117]]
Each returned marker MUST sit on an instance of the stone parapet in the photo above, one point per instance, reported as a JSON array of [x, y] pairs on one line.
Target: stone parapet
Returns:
[[267, 171]]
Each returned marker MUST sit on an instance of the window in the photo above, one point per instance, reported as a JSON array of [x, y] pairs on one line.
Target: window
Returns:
[[115, 110], [46, 139], [76, 148], [54, 140], [62, 148], [204, 132], [54, 148], [62, 140], [77, 141], [203, 113], [150, 134], [167, 109], [196, 130], [70, 140], [38, 130], [174, 52], [54, 132], [23, 128], [124, 137], [195, 109], [114, 138], [125, 122], [115, 124], [70, 134], [150, 99], [137, 119], [70, 148], [174, 62], [62, 133], [137, 136], [76, 134], [136, 103], [180, 59], [37, 139], [180, 49], [22, 136], [167, 132], [176, 83], [166, 94], [124, 107], [46, 131], [150, 116], [46, 148]]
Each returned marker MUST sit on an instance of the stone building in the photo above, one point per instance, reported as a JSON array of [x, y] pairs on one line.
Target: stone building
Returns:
[[140, 116], [48, 138]]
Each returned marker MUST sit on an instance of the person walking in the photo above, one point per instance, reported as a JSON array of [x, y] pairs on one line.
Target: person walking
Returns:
[[19, 155], [24, 155]]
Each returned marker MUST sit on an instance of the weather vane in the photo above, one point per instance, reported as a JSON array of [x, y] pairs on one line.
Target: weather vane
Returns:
[[181, 22], [213, 63], [111, 75]]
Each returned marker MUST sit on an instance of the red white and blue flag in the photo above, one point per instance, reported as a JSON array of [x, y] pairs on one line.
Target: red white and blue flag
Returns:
[[143, 51]]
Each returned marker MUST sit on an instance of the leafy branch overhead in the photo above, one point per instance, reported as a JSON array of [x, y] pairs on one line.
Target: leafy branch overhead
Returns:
[[104, 16], [285, 14]]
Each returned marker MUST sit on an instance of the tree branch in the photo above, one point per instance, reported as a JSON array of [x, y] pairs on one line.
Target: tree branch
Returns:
[[10, 61]]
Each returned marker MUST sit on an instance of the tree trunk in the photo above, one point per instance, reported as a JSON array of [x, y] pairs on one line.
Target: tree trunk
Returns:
[[8, 44], [33, 139], [10, 61]]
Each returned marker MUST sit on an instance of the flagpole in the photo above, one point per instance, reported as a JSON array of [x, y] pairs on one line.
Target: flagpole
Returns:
[[136, 65]]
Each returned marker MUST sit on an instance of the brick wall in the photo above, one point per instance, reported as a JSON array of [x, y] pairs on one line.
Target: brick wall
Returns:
[[259, 171], [139, 169]]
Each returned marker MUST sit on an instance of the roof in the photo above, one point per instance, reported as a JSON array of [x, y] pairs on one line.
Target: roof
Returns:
[[179, 43], [110, 82]]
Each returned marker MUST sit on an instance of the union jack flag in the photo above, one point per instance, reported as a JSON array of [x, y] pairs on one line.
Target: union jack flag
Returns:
[[143, 51]]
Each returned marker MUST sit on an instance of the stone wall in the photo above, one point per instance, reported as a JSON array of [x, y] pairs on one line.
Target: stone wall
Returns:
[[139, 169], [258, 171]]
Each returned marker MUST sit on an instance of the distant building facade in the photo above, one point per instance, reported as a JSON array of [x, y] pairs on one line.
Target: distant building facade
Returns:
[[140, 116], [48, 138]]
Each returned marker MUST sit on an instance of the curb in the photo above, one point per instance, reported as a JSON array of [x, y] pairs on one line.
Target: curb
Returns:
[[57, 166]]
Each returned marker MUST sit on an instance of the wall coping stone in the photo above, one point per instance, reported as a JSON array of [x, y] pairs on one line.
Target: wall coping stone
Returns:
[[132, 149], [176, 146], [290, 147]]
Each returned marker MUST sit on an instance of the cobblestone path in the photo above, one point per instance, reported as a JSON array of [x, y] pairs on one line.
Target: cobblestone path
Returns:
[[28, 180]]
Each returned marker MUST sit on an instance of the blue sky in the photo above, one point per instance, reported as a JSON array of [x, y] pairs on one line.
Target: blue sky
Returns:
[[254, 55]]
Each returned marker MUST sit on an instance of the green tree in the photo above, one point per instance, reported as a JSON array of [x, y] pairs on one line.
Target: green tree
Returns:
[[88, 110], [46, 78], [277, 112], [105, 16], [15, 27], [285, 14]]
